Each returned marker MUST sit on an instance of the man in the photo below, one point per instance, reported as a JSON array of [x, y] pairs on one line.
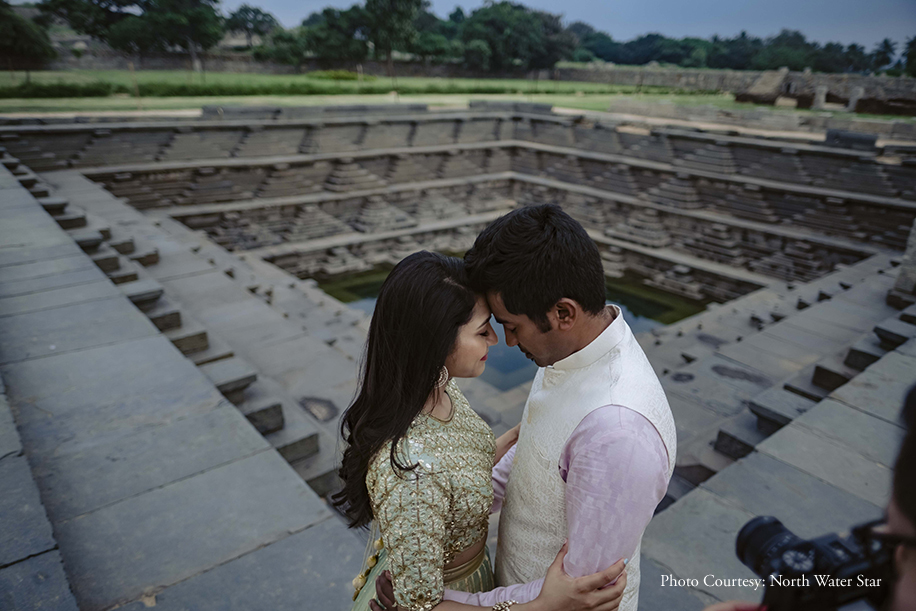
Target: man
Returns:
[[596, 447]]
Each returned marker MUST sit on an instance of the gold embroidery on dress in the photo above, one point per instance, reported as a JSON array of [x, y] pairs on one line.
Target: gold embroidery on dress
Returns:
[[431, 514]]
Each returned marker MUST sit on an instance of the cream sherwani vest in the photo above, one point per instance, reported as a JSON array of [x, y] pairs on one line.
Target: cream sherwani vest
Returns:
[[612, 370]]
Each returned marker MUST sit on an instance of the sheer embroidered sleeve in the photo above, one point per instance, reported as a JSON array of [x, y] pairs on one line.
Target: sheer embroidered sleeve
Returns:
[[412, 510]]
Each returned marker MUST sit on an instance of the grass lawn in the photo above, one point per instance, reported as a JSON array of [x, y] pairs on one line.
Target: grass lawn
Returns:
[[186, 77], [569, 94]]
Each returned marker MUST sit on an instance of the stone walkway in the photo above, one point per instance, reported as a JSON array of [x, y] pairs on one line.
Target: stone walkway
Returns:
[[157, 488]]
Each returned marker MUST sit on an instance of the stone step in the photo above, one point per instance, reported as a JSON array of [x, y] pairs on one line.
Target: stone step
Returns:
[[127, 271], [230, 376], [739, 436], [777, 407], [10, 162], [263, 409], [106, 258], [909, 315], [803, 385], [864, 352], [40, 190], [677, 488], [145, 257], [71, 220], [831, 373], [189, 338], [27, 179], [54, 205], [893, 332], [125, 246], [217, 350], [166, 315], [94, 224], [143, 293], [87, 239], [298, 439]]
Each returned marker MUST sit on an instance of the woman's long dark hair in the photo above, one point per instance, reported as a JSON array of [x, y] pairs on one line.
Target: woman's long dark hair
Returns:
[[421, 306]]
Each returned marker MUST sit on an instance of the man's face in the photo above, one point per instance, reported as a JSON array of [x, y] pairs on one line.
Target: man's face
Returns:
[[904, 596], [523, 332]]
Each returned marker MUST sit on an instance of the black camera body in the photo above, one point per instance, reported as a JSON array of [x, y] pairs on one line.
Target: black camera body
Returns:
[[818, 574]]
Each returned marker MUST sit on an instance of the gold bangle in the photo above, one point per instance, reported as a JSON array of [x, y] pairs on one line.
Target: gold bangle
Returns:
[[504, 605]]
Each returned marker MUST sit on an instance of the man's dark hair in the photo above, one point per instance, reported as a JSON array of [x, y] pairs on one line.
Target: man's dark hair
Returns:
[[533, 257], [905, 468]]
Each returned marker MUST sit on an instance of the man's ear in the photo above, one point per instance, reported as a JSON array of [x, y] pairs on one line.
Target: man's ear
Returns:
[[567, 312]]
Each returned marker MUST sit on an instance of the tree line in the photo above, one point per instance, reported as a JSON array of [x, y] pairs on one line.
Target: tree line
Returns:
[[498, 37]]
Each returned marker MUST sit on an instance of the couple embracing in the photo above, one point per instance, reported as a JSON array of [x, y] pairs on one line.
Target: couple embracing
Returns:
[[576, 484]]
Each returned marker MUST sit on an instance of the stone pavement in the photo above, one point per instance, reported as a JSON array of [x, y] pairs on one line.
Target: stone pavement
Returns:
[[156, 487]]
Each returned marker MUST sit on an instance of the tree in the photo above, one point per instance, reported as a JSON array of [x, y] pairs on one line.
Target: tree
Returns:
[[251, 21], [583, 56], [92, 17], [133, 34], [289, 47], [909, 55], [22, 39], [477, 55], [557, 42], [511, 31], [339, 34], [457, 16], [431, 46], [884, 53], [830, 58], [188, 24], [856, 58], [391, 25]]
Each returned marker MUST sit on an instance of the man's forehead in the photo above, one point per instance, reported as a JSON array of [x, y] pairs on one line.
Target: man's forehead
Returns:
[[499, 310]]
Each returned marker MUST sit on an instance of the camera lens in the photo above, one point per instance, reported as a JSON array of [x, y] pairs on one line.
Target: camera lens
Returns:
[[761, 542]]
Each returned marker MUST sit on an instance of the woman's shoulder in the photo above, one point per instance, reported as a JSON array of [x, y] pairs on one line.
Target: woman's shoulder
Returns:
[[418, 447]]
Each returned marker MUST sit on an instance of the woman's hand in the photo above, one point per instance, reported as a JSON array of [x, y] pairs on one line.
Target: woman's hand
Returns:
[[561, 592], [505, 442]]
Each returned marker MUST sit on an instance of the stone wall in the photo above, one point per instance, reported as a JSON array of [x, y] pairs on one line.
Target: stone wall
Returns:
[[693, 80], [244, 63]]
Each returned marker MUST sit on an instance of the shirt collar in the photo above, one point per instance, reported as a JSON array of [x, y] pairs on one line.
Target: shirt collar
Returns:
[[601, 345]]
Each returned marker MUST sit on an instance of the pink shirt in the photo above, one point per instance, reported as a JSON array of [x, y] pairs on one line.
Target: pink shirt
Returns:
[[616, 471]]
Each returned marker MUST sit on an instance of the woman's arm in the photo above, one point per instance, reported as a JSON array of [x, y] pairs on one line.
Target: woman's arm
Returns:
[[559, 593]]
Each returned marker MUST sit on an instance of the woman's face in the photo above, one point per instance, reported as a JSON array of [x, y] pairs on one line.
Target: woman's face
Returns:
[[469, 357]]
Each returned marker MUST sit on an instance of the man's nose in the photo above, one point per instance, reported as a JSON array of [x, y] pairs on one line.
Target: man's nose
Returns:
[[511, 340]]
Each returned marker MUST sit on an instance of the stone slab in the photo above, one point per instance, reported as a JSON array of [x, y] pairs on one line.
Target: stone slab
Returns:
[[50, 267], [45, 283], [872, 437], [881, 388], [303, 365], [779, 405], [63, 246], [13, 196], [101, 474], [696, 537], [36, 583], [54, 298], [203, 291], [26, 530], [73, 327], [311, 569], [183, 529], [691, 417], [655, 597], [830, 461], [68, 400], [9, 436], [809, 507]]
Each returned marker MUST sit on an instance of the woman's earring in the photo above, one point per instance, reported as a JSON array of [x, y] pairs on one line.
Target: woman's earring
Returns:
[[443, 378]]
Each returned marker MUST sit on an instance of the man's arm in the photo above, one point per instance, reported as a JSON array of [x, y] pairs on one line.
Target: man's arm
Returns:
[[616, 471], [501, 479]]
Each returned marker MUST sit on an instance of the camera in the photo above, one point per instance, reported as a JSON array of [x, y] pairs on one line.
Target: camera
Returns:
[[828, 572]]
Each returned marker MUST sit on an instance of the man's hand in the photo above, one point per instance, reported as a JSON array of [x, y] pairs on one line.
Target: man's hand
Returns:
[[385, 592], [561, 592], [505, 442]]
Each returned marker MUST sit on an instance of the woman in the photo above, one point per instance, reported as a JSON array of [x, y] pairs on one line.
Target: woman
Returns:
[[419, 460]]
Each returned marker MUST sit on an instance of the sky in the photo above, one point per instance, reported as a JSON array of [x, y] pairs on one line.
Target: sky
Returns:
[[865, 22]]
